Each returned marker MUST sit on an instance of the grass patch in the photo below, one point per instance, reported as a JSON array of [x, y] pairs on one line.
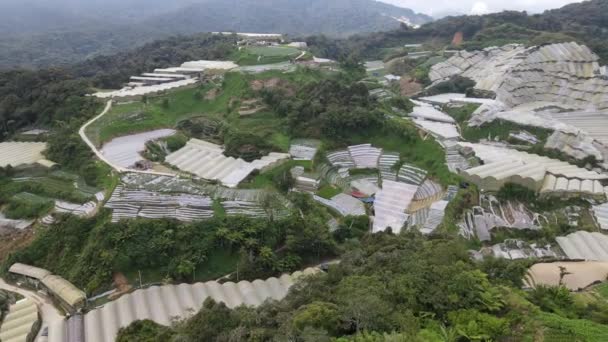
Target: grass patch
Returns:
[[267, 179], [157, 113], [168, 110], [257, 55], [564, 329], [63, 186], [218, 210], [602, 290], [28, 206], [328, 191], [496, 128], [220, 263]]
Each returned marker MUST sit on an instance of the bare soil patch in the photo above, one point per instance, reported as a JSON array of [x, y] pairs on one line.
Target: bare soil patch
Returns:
[[409, 86]]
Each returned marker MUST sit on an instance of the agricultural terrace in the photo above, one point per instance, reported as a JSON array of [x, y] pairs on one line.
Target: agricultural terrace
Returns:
[[217, 102], [256, 55]]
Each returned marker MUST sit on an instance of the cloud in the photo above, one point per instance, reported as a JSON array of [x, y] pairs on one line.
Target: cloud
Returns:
[[480, 8], [469, 6]]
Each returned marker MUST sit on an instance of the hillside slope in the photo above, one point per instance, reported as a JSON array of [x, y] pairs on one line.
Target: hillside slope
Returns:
[[70, 31], [585, 23]]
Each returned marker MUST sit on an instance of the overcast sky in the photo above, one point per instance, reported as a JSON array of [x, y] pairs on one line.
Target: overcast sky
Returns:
[[435, 7]]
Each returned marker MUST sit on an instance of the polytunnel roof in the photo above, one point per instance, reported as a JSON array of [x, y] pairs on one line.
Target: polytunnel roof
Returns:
[[30, 271], [162, 304], [585, 245]]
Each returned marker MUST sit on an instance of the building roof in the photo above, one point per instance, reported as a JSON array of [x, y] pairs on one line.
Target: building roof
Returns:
[[19, 322], [162, 304], [585, 245], [29, 271], [64, 289]]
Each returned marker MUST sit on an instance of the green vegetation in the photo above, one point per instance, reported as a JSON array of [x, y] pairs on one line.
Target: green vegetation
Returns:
[[328, 191], [27, 206], [465, 199], [563, 329], [88, 251], [404, 287], [257, 55], [31, 195], [495, 129], [41, 98], [569, 23], [276, 178]]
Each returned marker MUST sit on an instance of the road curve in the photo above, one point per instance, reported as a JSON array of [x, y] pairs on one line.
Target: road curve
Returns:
[[83, 136], [48, 312]]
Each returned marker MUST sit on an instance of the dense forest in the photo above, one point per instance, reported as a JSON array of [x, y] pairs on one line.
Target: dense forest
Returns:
[[70, 31], [586, 23], [399, 288], [50, 97]]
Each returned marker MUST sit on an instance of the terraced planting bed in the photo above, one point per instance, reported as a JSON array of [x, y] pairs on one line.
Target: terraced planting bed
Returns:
[[172, 197], [137, 117], [265, 54]]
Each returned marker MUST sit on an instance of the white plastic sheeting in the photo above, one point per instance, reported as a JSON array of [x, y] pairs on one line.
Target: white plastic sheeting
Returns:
[[145, 90], [566, 73], [455, 98], [20, 321], [128, 204], [440, 130], [585, 245], [304, 149], [81, 210], [428, 112], [22, 153], [365, 155], [564, 186], [493, 154], [600, 212], [390, 205], [125, 151], [208, 161], [162, 304], [428, 219], [357, 156], [344, 204]]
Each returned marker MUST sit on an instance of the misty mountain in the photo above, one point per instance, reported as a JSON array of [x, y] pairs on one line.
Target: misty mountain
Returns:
[[41, 33]]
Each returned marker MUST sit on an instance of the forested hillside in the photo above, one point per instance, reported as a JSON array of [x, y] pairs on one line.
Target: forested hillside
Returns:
[[586, 23], [48, 97], [70, 31]]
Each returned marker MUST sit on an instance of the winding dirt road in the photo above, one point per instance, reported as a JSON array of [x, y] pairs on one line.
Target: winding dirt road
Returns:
[[48, 312]]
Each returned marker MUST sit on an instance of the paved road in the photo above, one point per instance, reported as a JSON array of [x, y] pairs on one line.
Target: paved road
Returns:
[[83, 136], [47, 310]]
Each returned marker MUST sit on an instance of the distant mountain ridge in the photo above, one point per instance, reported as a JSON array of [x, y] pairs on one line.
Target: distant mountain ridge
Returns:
[[35, 33]]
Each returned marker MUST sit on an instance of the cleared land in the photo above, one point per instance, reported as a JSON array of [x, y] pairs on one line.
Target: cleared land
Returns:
[[256, 55]]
